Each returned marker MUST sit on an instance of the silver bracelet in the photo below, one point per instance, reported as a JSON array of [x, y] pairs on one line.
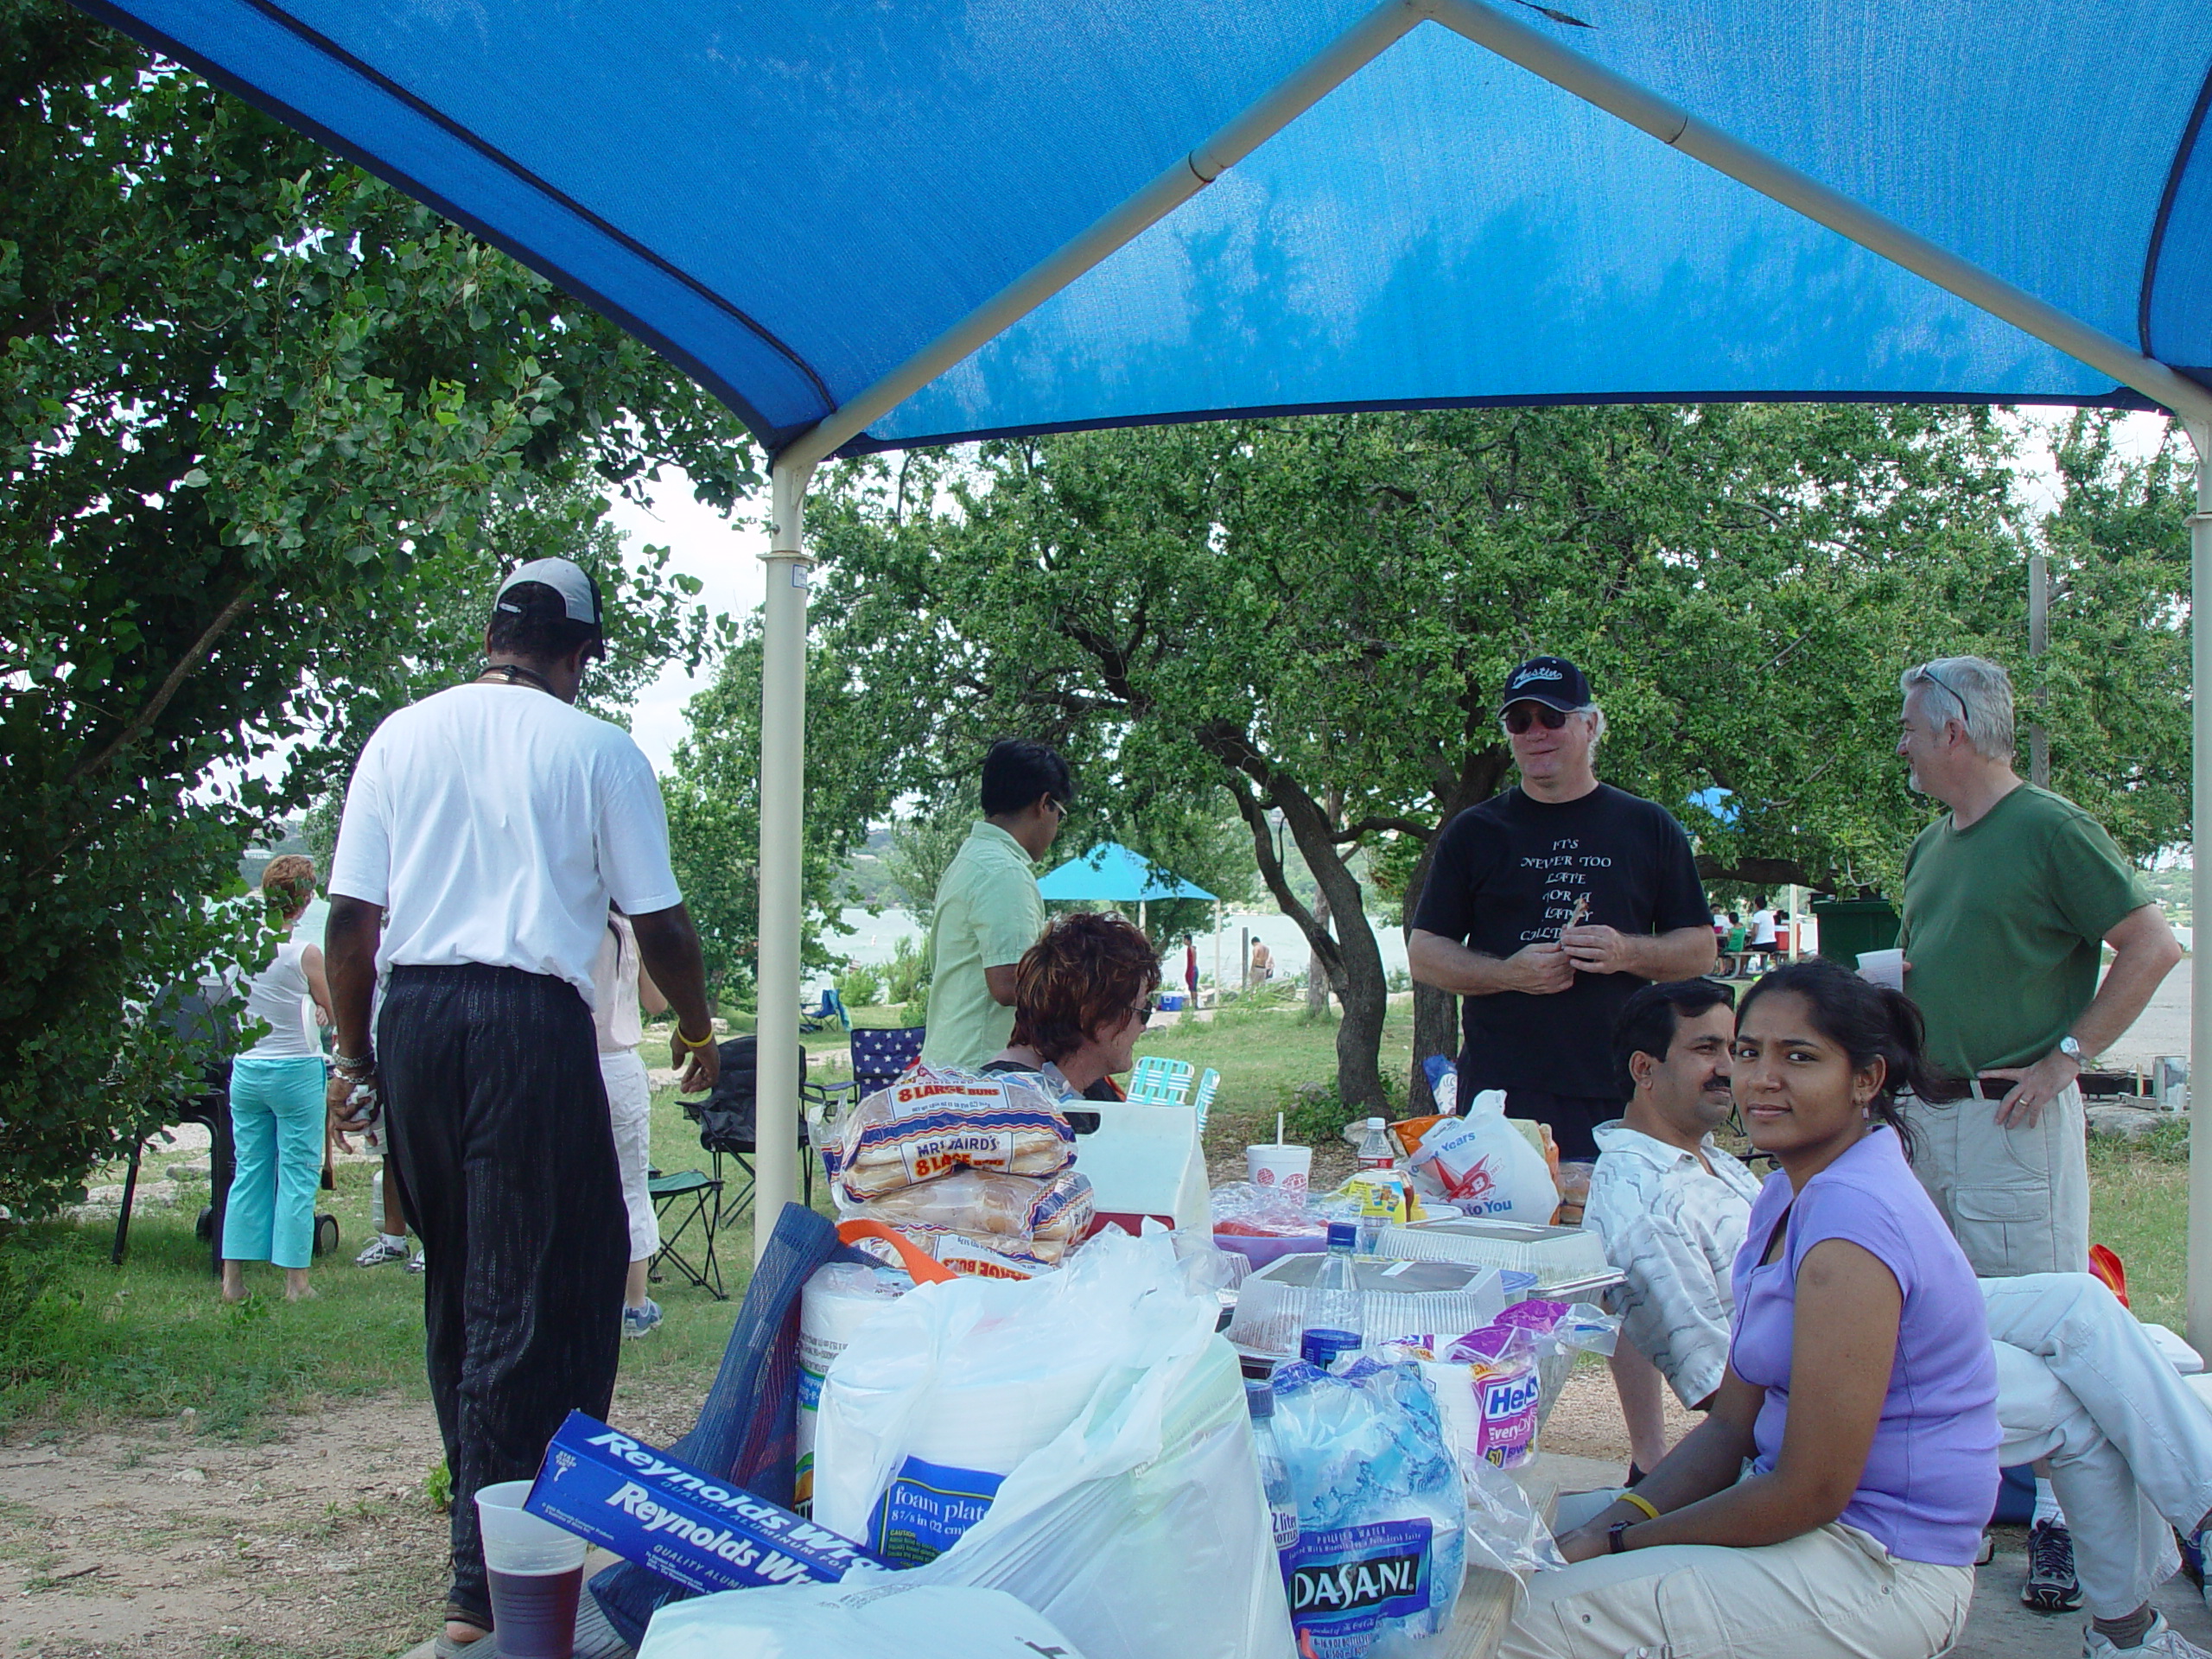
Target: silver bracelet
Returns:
[[354, 1063]]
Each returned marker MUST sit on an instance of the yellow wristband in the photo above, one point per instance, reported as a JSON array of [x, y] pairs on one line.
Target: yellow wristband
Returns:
[[706, 1041], [1638, 1500]]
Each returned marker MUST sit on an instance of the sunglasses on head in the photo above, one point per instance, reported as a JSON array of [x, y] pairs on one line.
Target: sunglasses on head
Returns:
[[1522, 716]]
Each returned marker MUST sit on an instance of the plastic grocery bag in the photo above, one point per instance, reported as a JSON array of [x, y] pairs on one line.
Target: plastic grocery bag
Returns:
[[1485, 1166], [1380, 1507], [1079, 1441], [868, 1615]]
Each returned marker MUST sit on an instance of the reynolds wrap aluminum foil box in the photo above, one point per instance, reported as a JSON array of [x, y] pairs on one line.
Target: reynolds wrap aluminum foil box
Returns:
[[670, 1519]]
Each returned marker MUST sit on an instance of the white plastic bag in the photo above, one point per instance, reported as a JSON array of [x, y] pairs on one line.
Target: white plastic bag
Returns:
[[866, 1617], [1079, 1441], [1485, 1166]]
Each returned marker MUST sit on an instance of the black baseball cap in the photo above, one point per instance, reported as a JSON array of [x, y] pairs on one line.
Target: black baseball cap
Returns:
[[1552, 681]]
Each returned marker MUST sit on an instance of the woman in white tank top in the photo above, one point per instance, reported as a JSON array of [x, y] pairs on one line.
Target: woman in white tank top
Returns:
[[277, 1101]]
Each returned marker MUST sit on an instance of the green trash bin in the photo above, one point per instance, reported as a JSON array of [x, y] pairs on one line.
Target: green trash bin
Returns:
[[1851, 926]]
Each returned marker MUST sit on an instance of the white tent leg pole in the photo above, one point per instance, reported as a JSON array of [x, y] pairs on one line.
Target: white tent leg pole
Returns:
[[2200, 992], [782, 765]]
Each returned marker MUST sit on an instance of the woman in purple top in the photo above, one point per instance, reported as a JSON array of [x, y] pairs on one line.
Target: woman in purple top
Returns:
[[1860, 1390]]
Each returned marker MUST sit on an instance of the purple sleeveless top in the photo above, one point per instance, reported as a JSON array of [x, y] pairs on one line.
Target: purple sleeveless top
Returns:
[[1931, 1474]]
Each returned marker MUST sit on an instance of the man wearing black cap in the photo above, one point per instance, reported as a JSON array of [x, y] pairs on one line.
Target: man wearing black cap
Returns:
[[1549, 906], [485, 831]]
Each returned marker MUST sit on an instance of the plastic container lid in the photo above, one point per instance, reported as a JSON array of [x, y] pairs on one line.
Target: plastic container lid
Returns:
[[1259, 1400], [1374, 1123], [1344, 1235]]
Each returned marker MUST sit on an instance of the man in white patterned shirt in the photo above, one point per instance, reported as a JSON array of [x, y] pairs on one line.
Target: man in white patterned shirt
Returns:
[[1671, 1206]]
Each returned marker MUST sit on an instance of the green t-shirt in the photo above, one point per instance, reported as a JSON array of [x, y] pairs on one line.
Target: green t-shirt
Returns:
[[987, 916], [2003, 925]]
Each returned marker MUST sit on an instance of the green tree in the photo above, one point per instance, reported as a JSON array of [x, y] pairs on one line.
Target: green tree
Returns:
[[1312, 618], [263, 422]]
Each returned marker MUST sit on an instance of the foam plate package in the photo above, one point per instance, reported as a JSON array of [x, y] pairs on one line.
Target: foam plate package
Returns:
[[1403, 1298], [1561, 1259]]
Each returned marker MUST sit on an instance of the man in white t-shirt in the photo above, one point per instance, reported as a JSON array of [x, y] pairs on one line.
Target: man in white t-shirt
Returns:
[[487, 829]]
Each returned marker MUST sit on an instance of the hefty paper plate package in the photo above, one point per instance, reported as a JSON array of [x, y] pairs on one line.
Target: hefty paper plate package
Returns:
[[674, 1520]]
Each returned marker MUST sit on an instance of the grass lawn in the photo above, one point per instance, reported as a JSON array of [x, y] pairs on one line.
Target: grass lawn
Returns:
[[81, 1341]]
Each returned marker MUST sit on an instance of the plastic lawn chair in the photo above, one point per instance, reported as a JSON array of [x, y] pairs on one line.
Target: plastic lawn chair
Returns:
[[1202, 1097], [1161, 1081]]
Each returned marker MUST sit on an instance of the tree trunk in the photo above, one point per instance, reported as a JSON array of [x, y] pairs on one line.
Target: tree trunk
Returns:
[[1317, 976], [1352, 962]]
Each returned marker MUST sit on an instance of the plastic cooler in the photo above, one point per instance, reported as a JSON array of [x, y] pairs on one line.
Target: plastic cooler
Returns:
[[1403, 1298], [1563, 1264]]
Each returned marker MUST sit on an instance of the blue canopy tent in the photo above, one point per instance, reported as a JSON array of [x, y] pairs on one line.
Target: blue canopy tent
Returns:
[[1111, 874], [868, 226]]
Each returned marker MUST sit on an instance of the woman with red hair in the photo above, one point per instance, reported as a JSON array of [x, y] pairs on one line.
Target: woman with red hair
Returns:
[[1082, 997]]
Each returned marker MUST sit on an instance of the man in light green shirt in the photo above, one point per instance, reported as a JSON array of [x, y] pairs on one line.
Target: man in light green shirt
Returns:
[[988, 912], [2008, 900]]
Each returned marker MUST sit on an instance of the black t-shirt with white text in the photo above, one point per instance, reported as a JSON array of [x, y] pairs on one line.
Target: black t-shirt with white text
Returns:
[[1507, 873]]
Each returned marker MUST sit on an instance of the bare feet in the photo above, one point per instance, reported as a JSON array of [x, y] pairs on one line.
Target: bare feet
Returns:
[[460, 1632], [233, 1282], [296, 1289]]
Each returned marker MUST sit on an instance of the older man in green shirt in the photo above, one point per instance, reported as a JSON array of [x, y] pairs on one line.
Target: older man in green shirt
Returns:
[[987, 911], [2007, 902]]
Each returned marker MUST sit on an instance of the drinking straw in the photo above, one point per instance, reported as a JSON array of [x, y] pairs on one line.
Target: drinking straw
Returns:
[[1278, 1128]]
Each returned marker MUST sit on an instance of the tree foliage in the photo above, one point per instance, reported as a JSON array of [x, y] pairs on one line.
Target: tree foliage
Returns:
[[267, 427], [1310, 619]]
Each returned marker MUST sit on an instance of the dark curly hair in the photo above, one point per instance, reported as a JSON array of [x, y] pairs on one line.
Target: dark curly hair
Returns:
[[1865, 1020], [1078, 981]]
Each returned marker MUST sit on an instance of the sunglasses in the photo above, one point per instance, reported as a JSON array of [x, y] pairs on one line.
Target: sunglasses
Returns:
[[1926, 675], [1147, 1008], [1058, 806], [1522, 716]]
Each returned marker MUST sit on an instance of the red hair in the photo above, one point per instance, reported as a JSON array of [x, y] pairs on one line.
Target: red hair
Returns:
[[1079, 981]]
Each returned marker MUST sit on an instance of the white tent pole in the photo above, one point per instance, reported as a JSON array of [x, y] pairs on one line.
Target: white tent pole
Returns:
[[1671, 124], [783, 757], [1338, 62], [2200, 890]]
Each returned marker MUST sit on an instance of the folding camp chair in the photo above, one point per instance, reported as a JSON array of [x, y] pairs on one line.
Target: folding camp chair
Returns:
[[695, 1197], [726, 1120], [1161, 1081], [879, 1057], [828, 1013]]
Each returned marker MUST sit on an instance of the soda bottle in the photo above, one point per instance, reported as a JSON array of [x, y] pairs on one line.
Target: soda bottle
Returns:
[[1274, 1473], [1374, 1151], [1336, 1318]]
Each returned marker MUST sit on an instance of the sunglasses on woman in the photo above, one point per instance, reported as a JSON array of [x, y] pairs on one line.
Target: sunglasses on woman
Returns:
[[1522, 716]]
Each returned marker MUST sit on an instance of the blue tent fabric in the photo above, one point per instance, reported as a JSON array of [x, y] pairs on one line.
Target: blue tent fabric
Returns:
[[790, 201], [1112, 874]]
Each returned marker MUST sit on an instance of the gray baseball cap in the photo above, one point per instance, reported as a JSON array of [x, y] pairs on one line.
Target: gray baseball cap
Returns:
[[579, 593]]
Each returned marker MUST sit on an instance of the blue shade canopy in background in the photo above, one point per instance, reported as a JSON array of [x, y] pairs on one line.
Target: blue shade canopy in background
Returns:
[[792, 200], [1112, 874]]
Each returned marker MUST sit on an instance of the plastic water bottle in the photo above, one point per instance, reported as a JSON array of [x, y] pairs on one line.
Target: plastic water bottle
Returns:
[[1274, 1473], [1336, 1318], [1375, 1150]]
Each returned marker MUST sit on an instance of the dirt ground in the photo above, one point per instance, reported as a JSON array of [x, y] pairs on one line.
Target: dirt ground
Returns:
[[153, 1541]]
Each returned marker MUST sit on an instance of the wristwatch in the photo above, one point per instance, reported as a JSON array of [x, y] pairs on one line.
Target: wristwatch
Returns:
[[1616, 1537], [2071, 1049]]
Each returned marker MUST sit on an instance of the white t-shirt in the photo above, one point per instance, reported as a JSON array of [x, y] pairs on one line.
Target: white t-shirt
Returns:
[[1762, 927], [280, 994], [492, 824], [615, 995]]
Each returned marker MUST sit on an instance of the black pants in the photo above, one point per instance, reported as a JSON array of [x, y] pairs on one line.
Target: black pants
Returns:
[[506, 1165], [1572, 1117]]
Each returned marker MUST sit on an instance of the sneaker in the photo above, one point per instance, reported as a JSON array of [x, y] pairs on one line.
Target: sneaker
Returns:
[[636, 1321], [1987, 1553], [2162, 1641], [416, 1266], [380, 1250], [2051, 1587]]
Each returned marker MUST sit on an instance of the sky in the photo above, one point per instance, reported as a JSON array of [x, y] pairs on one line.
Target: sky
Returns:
[[726, 558]]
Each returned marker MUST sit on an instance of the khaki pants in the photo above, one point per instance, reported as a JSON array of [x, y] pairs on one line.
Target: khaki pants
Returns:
[[2016, 1199], [1832, 1593]]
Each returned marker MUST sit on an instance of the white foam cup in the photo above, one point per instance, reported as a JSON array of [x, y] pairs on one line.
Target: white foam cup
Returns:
[[1883, 966], [516, 1541], [1283, 1170]]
